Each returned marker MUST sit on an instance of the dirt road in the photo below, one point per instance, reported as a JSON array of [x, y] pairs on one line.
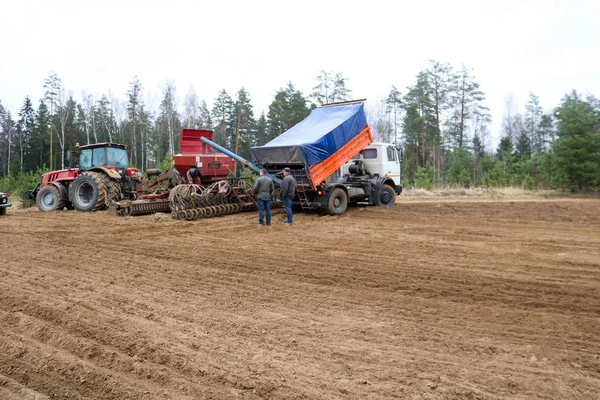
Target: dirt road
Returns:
[[465, 300]]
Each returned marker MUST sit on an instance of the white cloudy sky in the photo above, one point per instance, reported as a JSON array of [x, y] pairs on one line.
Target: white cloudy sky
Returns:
[[515, 47]]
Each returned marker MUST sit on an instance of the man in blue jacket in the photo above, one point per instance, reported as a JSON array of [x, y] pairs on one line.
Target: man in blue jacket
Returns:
[[287, 192]]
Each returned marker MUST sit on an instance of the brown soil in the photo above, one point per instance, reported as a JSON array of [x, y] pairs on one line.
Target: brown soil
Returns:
[[455, 299]]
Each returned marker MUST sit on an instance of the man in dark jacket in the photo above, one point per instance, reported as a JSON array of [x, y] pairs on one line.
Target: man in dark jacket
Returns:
[[263, 187], [288, 190]]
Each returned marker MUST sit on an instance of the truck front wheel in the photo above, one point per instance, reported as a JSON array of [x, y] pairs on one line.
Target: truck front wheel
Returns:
[[338, 202], [386, 196]]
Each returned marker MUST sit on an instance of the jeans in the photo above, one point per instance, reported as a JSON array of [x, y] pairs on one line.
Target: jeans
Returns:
[[264, 204], [287, 205]]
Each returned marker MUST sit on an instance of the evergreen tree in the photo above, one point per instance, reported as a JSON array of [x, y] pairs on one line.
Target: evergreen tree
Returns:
[[168, 125], [70, 132], [440, 78], [505, 159], [394, 105], [578, 145], [286, 110], [322, 92], [419, 120], [205, 119], [40, 138], [25, 128], [261, 129], [523, 146], [340, 91], [222, 115], [104, 126], [330, 88], [533, 115], [245, 136], [467, 99]]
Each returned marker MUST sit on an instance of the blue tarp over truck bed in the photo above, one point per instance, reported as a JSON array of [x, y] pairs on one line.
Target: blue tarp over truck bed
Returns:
[[314, 139]]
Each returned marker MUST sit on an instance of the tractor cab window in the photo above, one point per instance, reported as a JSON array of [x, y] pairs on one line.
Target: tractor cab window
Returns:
[[98, 156], [117, 157], [85, 159]]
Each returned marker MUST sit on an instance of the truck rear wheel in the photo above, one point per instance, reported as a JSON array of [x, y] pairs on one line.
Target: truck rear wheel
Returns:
[[50, 198], [338, 202], [88, 192], [386, 196]]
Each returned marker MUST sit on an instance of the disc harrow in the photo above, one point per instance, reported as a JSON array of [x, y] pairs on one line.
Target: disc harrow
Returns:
[[190, 202]]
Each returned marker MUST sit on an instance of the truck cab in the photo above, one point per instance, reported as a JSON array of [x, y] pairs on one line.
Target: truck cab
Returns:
[[379, 160]]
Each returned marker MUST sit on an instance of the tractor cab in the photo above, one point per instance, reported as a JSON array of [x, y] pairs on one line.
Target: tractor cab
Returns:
[[103, 155]]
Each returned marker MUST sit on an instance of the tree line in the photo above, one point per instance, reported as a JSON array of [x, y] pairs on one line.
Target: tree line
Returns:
[[440, 123]]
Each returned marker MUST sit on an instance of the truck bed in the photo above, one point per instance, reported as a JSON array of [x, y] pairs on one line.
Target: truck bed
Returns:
[[320, 144]]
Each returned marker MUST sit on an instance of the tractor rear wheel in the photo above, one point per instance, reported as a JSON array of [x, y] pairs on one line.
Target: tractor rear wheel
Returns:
[[50, 198], [114, 189], [338, 202], [88, 192]]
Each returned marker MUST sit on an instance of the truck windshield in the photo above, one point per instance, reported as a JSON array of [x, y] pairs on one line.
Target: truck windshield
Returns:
[[367, 154], [117, 157]]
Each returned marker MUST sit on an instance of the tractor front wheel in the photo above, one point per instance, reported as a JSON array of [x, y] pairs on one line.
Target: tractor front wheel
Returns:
[[88, 192], [50, 198]]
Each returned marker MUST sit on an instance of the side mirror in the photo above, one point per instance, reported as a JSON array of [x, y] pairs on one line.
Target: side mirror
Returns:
[[399, 153]]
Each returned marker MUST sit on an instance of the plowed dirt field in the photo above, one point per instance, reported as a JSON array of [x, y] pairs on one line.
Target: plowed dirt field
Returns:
[[454, 299]]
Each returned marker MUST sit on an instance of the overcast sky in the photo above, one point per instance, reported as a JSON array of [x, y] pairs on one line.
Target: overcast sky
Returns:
[[514, 47]]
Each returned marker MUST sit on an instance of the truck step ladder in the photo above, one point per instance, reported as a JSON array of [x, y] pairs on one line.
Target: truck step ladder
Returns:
[[304, 203]]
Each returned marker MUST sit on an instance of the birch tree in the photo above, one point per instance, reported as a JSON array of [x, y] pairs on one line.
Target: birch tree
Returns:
[[52, 84], [168, 109], [133, 94], [63, 112], [191, 110], [90, 117]]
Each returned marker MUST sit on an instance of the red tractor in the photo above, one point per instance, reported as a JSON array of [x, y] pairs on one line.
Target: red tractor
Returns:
[[103, 177]]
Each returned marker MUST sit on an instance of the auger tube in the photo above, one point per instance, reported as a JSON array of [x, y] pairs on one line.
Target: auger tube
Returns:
[[242, 160]]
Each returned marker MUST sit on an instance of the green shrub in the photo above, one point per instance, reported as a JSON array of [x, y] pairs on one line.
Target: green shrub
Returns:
[[424, 177], [18, 183]]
